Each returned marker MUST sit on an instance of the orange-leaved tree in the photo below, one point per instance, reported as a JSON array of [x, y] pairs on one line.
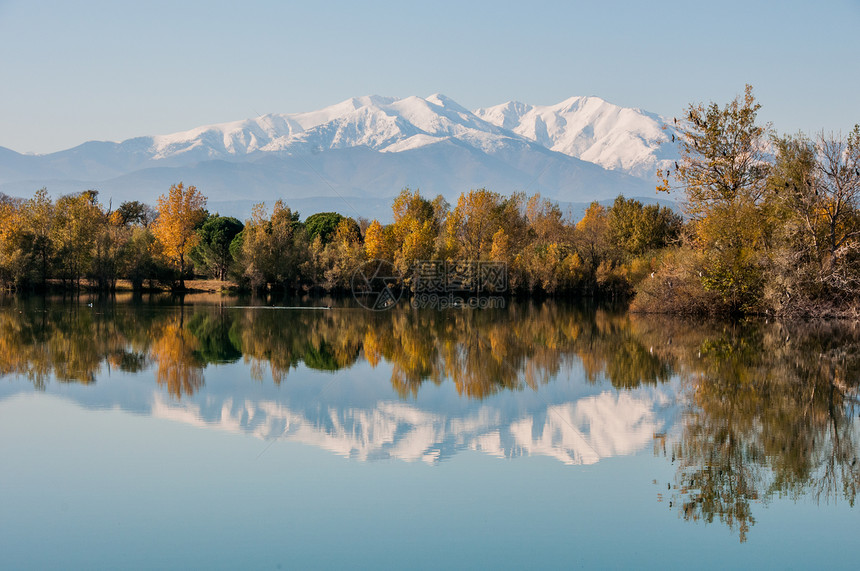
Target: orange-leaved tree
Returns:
[[179, 214]]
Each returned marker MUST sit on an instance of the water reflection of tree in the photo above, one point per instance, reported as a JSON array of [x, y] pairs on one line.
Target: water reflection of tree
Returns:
[[175, 351], [612, 347], [770, 405], [771, 410], [75, 342], [281, 340], [524, 346], [39, 340], [214, 333], [481, 352]]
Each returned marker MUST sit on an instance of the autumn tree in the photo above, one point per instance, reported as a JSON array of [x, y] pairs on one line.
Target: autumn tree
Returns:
[[337, 260], [592, 236], [815, 189], [479, 214], [414, 231], [274, 249], [180, 212], [546, 220], [15, 259], [379, 242], [78, 223], [548, 259], [723, 171]]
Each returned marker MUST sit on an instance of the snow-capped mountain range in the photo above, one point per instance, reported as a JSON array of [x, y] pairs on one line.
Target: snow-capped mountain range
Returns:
[[358, 417], [369, 148]]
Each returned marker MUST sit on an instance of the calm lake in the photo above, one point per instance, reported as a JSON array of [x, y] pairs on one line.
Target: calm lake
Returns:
[[217, 433]]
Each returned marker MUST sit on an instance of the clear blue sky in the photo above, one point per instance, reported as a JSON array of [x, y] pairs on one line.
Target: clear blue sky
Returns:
[[84, 70]]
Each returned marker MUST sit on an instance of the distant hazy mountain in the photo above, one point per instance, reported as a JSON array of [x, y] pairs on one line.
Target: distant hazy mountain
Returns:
[[354, 154]]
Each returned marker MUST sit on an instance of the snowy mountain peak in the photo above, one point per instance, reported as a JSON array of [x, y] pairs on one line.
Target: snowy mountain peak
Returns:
[[385, 124], [374, 146], [507, 115], [592, 129], [588, 128], [447, 103]]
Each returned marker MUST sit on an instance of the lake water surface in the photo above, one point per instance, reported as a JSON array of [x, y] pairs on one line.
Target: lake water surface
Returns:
[[217, 433]]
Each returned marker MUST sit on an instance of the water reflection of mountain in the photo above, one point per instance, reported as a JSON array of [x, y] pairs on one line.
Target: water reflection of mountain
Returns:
[[431, 383], [356, 415], [581, 430], [769, 408]]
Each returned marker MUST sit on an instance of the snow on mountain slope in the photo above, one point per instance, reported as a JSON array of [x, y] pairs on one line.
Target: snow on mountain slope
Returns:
[[379, 123], [591, 129], [370, 146], [235, 138], [588, 128]]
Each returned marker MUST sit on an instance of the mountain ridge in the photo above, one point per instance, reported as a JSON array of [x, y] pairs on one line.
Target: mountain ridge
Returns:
[[370, 146], [592, 129]]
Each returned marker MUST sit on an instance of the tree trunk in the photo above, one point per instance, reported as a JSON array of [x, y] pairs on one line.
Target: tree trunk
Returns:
[[181, 272]]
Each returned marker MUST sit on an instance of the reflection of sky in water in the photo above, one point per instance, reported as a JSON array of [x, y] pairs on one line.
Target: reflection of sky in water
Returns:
[[250, 474], [85, 488]]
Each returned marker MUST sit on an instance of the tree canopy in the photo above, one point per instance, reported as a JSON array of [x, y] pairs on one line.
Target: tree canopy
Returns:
[[180, 212], [212, 253]]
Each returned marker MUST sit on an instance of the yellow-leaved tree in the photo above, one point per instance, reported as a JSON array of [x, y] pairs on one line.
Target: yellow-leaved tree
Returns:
[[180, 211], [378, 242], [415, 229]]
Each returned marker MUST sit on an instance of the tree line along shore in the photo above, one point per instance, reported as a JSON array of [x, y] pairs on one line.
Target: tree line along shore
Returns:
[[771, 224], [76, 242]]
